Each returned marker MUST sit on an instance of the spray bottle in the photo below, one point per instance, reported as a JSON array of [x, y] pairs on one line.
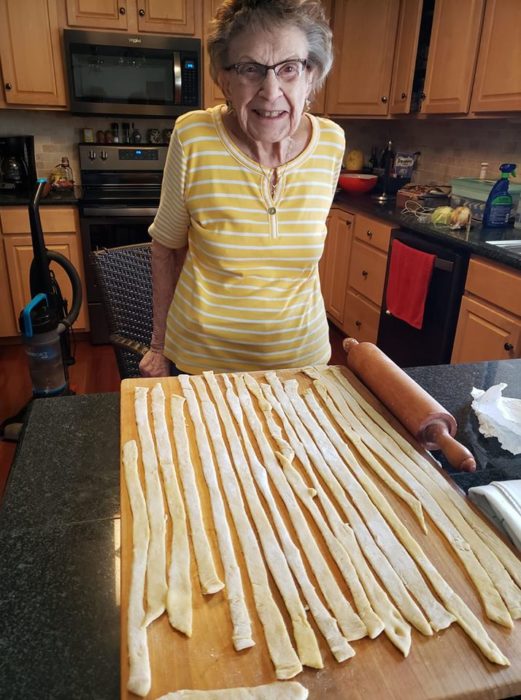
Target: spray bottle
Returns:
[[499, 202]]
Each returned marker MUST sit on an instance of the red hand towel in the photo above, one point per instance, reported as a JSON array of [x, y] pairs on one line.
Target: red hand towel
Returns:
[[410, 273]]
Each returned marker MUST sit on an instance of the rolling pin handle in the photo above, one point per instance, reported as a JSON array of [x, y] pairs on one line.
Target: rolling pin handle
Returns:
[[457, 454]]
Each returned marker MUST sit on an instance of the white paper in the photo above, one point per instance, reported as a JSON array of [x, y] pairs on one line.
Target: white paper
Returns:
[[499, 416], [501, 503]]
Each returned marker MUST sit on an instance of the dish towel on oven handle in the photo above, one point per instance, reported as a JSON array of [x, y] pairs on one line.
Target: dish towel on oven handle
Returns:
[[500, 501], [410, 273]]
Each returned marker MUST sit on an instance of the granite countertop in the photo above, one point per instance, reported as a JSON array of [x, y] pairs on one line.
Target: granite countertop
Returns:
[[52, 199], [475, 242], [59, 534]]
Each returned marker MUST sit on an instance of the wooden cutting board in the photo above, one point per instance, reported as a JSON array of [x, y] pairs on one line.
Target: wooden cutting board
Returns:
[[447, 665]]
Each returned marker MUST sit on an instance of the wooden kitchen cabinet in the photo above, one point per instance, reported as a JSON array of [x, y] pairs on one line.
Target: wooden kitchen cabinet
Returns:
[[61, 230], [30, 52], [497, 85], [212, 93], [453, 52], [8, 325], [364, 36], [405, 56], [334, 265], [366, 278], [489, 322], [147, 16]]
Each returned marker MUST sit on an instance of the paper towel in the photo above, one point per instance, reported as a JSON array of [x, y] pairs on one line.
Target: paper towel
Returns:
[[499, 416], [501, 503]]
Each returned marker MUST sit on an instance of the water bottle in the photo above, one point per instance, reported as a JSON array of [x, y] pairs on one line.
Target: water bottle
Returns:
[[43, 348]]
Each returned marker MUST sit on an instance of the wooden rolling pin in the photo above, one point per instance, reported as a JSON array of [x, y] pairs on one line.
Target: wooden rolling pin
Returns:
[[422, 415]]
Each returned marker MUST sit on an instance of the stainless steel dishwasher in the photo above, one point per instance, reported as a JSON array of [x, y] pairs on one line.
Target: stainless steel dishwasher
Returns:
[[432, 345]]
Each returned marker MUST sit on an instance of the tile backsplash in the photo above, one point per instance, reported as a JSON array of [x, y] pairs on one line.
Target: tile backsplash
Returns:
[[57, 134], [449, 147]]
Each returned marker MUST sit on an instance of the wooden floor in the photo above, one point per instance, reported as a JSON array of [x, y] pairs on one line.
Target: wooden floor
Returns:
[[95, 371]]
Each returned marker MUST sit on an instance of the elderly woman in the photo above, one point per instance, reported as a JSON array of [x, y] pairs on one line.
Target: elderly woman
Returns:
[[246, 191]]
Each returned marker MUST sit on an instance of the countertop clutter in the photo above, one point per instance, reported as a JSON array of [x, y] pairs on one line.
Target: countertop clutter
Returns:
[[60, 536], [476, 241]]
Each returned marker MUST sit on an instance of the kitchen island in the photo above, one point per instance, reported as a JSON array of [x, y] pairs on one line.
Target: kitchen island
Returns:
[[59, 534]]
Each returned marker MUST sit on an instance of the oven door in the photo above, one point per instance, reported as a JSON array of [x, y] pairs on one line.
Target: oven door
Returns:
[[108, 227]]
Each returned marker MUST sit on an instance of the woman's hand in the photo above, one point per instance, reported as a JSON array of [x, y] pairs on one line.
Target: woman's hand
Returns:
[[154, 364]]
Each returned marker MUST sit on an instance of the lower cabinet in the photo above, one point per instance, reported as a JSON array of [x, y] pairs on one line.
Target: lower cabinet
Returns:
[[62, 235], [489, 323], [352, 272], [334, 265]]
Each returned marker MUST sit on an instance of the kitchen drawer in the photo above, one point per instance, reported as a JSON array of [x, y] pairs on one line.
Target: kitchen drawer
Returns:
[[361, 318], [496, 284], [375, 233], [15, 220], [367, 271]]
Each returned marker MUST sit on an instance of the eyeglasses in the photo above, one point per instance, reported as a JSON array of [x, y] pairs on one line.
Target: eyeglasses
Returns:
[[255, 73]]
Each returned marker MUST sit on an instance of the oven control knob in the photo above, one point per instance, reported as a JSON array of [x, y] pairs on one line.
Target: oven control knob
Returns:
[[92, 155], [104, 155]]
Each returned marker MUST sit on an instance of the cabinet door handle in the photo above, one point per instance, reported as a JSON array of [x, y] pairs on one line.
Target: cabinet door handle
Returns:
[[141, 12], [364, 274], [358, 324], [369, 234], [8, 86], [384, 99], [122, 11], [404, 95], [508, 347]]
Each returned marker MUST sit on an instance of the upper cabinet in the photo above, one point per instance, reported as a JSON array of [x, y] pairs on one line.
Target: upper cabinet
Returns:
[[452, 56], [30, 52], [364, 40], [429, 56], [147, 16], [407, 39], [212, 93], [497, 86]]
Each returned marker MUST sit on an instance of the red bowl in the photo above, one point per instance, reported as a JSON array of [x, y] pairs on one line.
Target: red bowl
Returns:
[[357, 183]]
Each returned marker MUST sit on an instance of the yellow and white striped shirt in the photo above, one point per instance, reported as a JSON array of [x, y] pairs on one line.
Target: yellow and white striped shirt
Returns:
[[248, 297]]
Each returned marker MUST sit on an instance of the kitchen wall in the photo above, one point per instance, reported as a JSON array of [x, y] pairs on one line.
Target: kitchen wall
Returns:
[[449, 147], [57, 134]]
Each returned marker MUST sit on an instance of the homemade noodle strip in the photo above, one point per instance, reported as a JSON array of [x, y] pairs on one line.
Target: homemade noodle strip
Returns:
[[325, 622], [464, 616], [490, 582], [210, 582], [289, 690], [241, 623], [307, 645], [395, 587], [156, 589], [495, 556], [372, 622], [139, 676], [395, 627], [349, 622], [179, 597]]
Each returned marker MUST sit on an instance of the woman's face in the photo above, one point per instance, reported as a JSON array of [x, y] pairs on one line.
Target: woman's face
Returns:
[[271, 110]]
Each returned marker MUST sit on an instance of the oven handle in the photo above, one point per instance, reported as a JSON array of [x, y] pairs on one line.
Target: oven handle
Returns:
[[177, 78], [117, 211]]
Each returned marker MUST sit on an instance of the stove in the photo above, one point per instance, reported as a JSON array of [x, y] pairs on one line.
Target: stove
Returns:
[[121, 187]]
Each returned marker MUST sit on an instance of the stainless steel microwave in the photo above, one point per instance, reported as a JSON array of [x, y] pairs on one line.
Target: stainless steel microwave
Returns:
[[132, 74]]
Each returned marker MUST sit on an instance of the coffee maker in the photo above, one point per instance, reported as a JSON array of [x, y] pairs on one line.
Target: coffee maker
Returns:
[[17, 167]]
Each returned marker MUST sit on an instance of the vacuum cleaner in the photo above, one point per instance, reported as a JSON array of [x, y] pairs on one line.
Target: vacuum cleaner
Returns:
[[45, 323]]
